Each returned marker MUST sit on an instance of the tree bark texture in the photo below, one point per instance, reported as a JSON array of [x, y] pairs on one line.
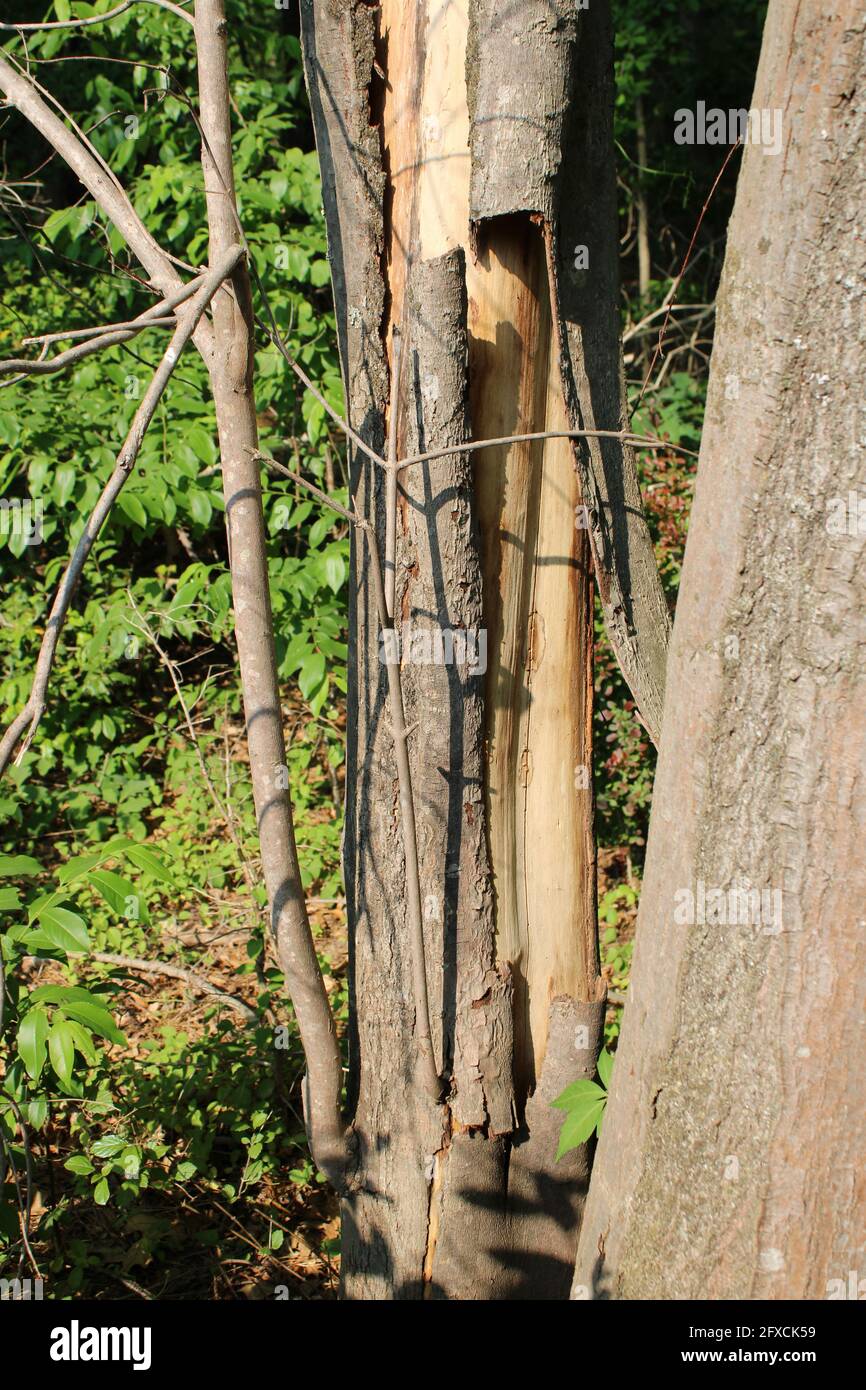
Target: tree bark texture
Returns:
[[450, 219], [731, 1159]]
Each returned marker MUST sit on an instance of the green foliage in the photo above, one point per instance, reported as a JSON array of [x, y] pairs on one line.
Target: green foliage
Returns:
[[110, 797], [584, 1103]]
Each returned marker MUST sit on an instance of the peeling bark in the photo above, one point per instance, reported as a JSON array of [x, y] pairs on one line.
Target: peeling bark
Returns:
[[463, 1199], [541, 109]]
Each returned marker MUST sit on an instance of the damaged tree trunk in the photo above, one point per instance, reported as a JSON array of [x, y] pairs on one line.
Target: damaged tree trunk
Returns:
[[731, 1161], [458, 157]]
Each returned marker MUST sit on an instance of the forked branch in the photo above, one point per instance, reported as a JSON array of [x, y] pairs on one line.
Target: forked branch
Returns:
[[28, 719]]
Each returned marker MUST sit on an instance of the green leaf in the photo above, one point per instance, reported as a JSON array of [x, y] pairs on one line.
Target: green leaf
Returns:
[[131, 507], [109, 1146], [9, 900], [202, 444], [605, 1068], [61, 1050], [65, 930], [200, 507], [578, 1126], [119, 893], [18, 865], [64, 484], [335, 570], [64, 994], [83, 1042], [32, 1037], [311, 674], [149, 863], [578, 1093], [101, 1192], [54, 224], [319, 530], [79, 1164], [81, 864], [99, 1020], [37, 1112]]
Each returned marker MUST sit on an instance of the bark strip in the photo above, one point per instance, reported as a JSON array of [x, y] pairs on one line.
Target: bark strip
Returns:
[[540, 83]]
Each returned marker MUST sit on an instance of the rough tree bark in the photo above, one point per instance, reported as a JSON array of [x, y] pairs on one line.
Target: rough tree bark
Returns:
[[730, 1164], [454, 213]]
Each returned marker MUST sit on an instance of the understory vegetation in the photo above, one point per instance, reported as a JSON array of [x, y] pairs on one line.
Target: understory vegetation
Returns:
[[150, 1104]]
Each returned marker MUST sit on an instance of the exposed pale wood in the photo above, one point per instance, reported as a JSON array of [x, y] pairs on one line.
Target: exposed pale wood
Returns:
[[541, 138], [538, 606], [430, 1211]]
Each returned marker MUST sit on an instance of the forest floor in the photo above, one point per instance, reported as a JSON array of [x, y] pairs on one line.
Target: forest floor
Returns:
[[188, 1241]]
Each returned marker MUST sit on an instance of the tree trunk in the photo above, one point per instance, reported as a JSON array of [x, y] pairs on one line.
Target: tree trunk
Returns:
[[730, 1164], [436, 230]]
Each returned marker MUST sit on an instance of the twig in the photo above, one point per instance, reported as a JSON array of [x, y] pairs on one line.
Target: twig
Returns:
[[103, 187], [34, 708], [683, 268], [25, 1210], [43, 366], [176, 972], [101, 18], [171, 667]]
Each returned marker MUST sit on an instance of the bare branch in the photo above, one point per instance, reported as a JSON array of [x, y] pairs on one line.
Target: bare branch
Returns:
[[639, 441], [104, 336], [231, 373], [177, 972], [144, 321], [32, 712], [684, 267], [44, 366], [101, 18], [20, 91]]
